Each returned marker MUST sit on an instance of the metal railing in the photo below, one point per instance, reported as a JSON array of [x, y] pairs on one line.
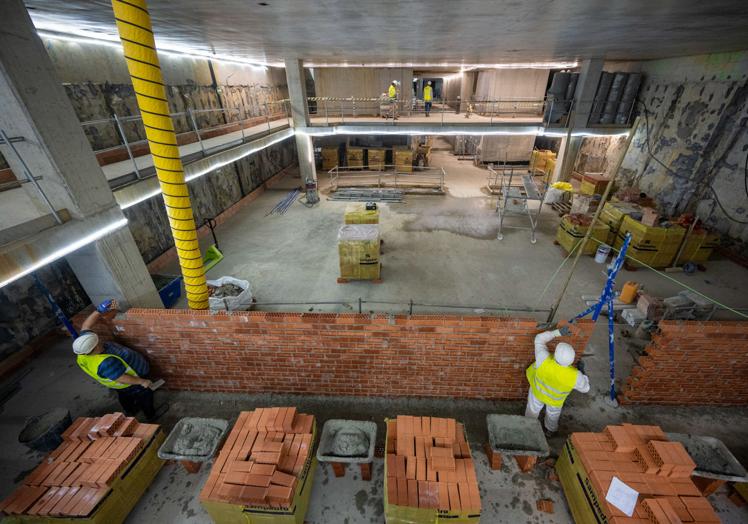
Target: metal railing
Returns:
[[399, 177], [233, 119], [337, 110]]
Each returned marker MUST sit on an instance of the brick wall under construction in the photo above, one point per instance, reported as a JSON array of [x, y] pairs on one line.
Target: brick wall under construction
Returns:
[[692, 363], [337, 354]]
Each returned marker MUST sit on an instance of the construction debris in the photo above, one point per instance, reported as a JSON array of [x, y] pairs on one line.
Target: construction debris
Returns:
[[545, 505], [363, 194], [225, 290], [82, 471]]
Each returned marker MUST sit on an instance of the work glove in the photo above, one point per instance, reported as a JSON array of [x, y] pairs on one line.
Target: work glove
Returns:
[[564, 331], [105, 306]]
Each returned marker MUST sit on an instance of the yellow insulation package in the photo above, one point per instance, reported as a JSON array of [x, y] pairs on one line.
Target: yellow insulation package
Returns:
[[358, 214], [358, 246], [569, 235]]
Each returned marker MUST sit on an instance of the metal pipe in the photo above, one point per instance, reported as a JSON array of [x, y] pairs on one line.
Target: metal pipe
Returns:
[[29, 175], [126, 144]]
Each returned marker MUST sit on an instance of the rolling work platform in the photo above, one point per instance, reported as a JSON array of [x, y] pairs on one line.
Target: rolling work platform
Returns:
[[514, 201]]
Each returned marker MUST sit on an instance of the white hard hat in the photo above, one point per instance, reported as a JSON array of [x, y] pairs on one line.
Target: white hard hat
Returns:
[[85, 343], [394, 81], [429, 82], [564, 354]]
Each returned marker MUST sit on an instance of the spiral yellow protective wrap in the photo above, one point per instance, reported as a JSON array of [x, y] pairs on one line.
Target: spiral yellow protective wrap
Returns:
[[134, 26]]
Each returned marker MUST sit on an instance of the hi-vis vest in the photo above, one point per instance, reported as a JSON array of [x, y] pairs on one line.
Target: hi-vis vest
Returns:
[[392, 92], [551, 382], [90, 364], [427, 94]]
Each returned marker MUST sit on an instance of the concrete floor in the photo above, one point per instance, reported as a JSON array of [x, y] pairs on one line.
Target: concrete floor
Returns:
[[438, 250]]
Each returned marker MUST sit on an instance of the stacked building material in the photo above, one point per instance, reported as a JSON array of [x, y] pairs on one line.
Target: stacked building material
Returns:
[[73, 479], [263, 459], [429, 465], [641, 457]]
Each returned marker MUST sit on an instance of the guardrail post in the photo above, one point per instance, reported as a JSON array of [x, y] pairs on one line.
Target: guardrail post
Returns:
[[197, 131], [241, 122], [126, 144], [342, 118], [327, 115]]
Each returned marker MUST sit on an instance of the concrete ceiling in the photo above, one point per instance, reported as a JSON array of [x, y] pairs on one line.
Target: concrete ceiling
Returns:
[[426, 32]]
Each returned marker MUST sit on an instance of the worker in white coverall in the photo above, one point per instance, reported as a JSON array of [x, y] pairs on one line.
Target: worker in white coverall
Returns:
[[553, 378]]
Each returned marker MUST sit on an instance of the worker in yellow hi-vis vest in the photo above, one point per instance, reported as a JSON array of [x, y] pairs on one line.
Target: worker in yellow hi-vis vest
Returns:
[[428, 97], [392, 95], [553, 378], [116, 367]]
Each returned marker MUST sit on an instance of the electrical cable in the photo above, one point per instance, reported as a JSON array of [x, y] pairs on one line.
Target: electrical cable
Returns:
[[678, 175]]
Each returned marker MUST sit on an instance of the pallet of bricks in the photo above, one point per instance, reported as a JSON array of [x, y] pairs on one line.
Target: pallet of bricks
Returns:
[[430, 476], [264, 472], [97, 474], [641, 457]]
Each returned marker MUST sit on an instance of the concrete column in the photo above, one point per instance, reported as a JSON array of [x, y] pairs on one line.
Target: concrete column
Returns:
[[300, 116], [107, 268], [589, 77], [566, 158], [52, 144]]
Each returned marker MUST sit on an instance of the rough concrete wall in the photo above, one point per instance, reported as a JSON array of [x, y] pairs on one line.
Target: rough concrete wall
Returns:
[[25, 312], [599, 154], [338, 354], [697, 108], [365, 82], [211, 195], [502, 84], [692, 363], [98, 85]]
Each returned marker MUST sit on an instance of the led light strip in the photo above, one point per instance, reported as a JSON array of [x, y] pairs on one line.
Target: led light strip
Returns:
[[529, 131], [84, 37], [92, 237]]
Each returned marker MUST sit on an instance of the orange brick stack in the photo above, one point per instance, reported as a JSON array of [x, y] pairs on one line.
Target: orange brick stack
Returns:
[[262, 459], [429, 465], [76, 476], [644, 459]]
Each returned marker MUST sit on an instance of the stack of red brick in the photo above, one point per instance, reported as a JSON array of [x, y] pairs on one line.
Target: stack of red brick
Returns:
[[429, 465], [658, 469], [262, 459], [75, 477]]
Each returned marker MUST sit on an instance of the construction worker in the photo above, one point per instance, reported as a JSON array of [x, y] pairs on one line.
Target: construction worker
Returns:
[[392, 94], [116, 367], [553, 378], [428, 97]]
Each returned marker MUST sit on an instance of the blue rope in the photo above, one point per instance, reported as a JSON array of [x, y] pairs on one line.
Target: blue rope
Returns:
[[606, 298]]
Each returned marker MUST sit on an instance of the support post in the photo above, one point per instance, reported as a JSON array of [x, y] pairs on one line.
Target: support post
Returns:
[[300, 117]]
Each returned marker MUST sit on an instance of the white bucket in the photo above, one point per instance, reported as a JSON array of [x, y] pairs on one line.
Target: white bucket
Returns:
[[602, 253]]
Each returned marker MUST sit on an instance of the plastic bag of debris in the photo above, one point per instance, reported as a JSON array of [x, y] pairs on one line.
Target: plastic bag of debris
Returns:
[[229, 294]]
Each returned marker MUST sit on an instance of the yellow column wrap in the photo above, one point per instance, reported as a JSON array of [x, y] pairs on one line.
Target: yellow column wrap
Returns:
[[134, 26]]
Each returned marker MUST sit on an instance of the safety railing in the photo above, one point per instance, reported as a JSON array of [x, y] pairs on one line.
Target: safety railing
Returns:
[[192, 125], [391, 176], [341, 110]]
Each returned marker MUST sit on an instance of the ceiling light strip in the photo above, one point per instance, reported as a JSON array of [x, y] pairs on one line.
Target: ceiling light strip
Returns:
[[66, 250]]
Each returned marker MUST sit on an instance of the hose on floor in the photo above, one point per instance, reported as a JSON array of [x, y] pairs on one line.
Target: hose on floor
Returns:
[[136, 34]]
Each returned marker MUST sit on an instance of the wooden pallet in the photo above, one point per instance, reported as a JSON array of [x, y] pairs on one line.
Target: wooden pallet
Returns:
[[562, 208]]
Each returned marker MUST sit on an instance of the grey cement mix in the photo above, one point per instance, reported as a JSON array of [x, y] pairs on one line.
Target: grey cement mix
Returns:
[[350, 441], [194, 439], [516, 435]]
